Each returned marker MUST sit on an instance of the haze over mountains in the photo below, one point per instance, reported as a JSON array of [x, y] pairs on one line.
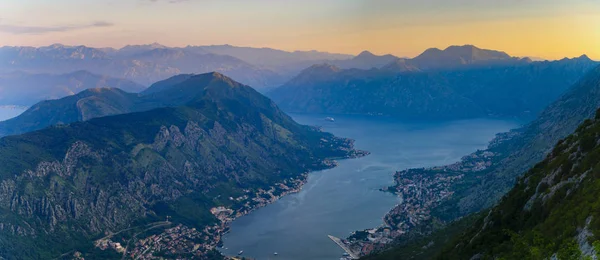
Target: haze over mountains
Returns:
[[261, 68], [142, 64], [490, 174], [24, 89], [459, 82], [98, 152], [463, 56]]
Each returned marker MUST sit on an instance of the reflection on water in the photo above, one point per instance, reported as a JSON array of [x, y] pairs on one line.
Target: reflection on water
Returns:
[[347, 198]]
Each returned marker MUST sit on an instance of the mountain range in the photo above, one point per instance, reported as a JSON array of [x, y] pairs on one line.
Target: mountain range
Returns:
[[142, 64], [99, 166], [65, 186], [503, 87], [271, 58], [465, 56], [100, 102], [261, 68], [541, 193], [26, 89], [365, 60], [551, 213], [516, 151]]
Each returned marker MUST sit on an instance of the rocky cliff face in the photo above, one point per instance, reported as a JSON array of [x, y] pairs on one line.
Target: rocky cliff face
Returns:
[[64, 186], [551, 213]]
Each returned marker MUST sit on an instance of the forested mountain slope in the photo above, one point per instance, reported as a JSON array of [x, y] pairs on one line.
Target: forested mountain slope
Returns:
[[65, 186]]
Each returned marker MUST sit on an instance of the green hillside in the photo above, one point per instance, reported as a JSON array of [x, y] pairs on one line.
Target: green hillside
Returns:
[[553, 211], [63, 187]]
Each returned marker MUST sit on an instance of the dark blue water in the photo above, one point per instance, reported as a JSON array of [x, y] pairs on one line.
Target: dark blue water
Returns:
[[344, 199]]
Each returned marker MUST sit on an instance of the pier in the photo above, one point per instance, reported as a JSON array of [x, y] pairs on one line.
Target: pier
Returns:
[[343, 246]]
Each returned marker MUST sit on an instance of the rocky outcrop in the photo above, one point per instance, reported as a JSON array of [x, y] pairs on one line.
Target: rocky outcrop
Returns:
[[72, 184]]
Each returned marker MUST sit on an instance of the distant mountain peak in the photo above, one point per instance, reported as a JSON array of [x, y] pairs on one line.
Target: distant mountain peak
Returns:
[[211, 80], [474, 50], [214, 75], [584, 57], [462, 55], [154, 45], [158, 45], [366, 60], [429, 50], [57, 46], [315, 72], [370, 55], [365, 54], [462, 47]]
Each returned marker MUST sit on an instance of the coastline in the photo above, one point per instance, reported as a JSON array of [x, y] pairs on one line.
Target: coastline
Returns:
[[421, 190], [181, 239], [331, 163]]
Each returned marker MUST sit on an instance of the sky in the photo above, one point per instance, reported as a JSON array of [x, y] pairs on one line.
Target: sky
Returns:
[[549, 29]]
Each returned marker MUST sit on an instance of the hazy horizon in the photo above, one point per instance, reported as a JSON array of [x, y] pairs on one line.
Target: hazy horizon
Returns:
[[550, 29], [535, 58]]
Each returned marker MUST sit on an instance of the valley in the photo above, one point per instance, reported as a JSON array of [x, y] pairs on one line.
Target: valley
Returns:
[[299, 130], [347, 198]]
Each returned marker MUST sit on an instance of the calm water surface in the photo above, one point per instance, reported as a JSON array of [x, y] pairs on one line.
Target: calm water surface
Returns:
[[344, 199]]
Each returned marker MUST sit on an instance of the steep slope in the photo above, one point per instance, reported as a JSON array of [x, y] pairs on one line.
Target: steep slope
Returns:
[[107, 178], [401, 90], [520, 149], [326, 89], [519, 90], [552, 212], [95, 103], [167, 83], [83, 106], [27, 89], [480, 179]]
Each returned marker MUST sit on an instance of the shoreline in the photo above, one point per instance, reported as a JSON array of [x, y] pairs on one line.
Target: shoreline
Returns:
[[421, 190], [183, 240], [301, 181]]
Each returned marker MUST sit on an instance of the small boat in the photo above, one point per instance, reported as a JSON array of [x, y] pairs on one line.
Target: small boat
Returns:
[[330, 119], [275, 253], [241, 252], [346, 254]]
